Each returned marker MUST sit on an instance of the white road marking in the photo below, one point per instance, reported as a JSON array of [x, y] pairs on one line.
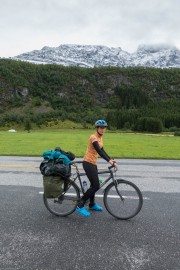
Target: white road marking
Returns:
[[110, 196]]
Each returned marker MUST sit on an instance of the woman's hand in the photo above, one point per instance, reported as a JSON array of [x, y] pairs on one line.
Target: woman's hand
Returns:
[[113, 162]]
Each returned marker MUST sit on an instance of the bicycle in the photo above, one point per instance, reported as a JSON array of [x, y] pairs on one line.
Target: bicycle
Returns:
[[122, 198]]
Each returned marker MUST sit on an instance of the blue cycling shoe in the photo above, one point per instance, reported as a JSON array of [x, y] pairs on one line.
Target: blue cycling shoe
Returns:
[[83, 211], [96, 207]]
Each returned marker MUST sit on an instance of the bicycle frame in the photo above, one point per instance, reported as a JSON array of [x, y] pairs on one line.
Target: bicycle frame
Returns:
[[122, 187], [78, 176]]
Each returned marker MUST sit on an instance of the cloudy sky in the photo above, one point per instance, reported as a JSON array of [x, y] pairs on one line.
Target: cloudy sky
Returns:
[[26, 25]]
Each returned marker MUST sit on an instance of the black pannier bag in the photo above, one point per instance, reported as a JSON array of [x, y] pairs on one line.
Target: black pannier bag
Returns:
[[55, 168]]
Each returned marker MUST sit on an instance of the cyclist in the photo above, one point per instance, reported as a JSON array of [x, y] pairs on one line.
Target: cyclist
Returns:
[[95, 147]]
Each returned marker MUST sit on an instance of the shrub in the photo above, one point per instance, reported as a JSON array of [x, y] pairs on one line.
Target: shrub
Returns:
[[150, 124], [154, 125], [173, 129], [177, 133]]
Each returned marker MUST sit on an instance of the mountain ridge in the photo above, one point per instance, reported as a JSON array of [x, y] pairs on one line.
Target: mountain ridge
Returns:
[[158, 56], [126, 97]]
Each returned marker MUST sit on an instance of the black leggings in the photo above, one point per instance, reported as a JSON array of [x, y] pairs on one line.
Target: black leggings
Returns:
[[92, 174]]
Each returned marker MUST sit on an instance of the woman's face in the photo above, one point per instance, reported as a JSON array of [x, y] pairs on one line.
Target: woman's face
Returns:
[[101, 130]]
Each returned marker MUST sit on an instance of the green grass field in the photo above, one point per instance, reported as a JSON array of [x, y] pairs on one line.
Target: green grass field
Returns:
[[117, 145]]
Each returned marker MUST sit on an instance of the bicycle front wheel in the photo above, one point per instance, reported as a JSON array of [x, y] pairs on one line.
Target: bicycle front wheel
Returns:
[[66, 203], [125, 202]]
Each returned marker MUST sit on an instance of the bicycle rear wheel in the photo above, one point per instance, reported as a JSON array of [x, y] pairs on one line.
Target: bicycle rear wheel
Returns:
[[66, 203], [124, 204]]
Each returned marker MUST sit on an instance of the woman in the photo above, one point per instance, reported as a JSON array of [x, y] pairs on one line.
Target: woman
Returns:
[[95, 147]]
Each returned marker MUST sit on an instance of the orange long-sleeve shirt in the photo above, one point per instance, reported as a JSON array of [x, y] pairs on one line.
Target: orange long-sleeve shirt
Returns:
[[91, 154]]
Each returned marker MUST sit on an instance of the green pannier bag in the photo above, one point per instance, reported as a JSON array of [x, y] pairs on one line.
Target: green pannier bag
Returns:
[[53, 186]]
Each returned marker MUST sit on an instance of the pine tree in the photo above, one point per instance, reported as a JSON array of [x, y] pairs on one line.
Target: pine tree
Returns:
[[27, 125]]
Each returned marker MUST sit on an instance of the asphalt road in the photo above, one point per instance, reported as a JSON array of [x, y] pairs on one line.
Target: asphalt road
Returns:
[[33, 239]]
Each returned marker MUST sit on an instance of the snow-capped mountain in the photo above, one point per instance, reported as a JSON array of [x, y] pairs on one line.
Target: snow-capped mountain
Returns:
[[163, 56], [156, 56]]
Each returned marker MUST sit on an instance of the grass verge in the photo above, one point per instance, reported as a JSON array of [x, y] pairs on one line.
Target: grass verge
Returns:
[[117, 145]]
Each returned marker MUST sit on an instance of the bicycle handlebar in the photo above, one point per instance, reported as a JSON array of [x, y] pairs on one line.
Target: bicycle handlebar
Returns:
[[80, 162], [113, 166]]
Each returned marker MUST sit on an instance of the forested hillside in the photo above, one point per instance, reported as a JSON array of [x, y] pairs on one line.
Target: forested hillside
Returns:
[[137, 98]]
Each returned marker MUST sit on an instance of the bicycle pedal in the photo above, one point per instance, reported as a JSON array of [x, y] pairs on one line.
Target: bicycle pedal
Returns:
[[58, 201]]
